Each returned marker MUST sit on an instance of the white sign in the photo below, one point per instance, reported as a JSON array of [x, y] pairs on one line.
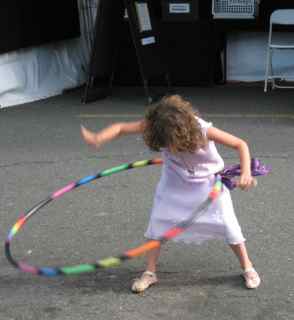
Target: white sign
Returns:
[[126, 15], [143, 16], [147, 40], [179, 8]]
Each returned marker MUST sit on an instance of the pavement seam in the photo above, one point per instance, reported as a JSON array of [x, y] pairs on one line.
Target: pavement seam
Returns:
[[288, 116], [120, 156]]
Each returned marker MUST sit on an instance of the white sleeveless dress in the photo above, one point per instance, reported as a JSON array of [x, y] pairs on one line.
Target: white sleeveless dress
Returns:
[[185, 183]]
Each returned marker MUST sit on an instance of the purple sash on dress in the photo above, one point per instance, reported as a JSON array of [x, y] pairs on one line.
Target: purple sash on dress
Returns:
[[230, 172]]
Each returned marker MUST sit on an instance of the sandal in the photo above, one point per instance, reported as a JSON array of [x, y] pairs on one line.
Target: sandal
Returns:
[[252, 279], [147, 279]]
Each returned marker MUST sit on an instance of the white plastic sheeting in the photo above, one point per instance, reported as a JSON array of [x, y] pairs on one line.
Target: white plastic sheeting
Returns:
[[35, 73], [246, 56]]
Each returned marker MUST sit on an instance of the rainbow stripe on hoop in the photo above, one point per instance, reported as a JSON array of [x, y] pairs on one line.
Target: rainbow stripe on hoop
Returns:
[[108, 262]]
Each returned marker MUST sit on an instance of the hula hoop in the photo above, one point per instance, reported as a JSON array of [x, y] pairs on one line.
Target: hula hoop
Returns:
[[111, 261]]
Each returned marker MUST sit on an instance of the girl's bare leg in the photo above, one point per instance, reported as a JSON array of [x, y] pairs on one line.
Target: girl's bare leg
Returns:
[[149, 277], [250, 275], [152, 258], [242, 254]]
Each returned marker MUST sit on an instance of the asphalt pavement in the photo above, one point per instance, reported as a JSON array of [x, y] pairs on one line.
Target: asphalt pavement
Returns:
[[41, 151]]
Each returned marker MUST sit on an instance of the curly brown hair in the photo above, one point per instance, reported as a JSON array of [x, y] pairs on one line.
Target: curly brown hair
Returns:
[[171, 124]]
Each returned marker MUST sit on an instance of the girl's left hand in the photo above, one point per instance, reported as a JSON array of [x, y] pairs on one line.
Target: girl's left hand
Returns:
[[246, 182]]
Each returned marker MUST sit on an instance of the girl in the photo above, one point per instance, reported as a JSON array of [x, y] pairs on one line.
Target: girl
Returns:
[[190, 162]]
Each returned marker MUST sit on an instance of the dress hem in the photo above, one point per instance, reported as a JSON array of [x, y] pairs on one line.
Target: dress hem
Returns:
[[200, 241]]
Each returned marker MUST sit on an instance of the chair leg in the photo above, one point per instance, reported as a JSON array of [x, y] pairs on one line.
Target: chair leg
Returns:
[[271, 72], [267, 69]]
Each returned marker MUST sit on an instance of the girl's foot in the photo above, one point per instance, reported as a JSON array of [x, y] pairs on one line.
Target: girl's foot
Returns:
[[252, 279], [147, 279]]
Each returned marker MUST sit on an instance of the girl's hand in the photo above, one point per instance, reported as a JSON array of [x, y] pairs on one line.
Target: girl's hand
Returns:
[[114, 131], [90, 137], [246, 182]]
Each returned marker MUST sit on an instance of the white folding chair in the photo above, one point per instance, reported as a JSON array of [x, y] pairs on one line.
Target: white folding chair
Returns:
[[284, 17]]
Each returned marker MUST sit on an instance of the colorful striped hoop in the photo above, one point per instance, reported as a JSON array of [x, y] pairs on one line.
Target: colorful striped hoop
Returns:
[[110, 261]]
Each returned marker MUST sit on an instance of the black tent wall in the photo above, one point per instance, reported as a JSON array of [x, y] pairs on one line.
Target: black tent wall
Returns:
[[34, 22], [188, 46]]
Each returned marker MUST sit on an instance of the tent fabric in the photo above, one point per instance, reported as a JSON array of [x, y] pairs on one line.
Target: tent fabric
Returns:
[[246, 56], [36, 73]]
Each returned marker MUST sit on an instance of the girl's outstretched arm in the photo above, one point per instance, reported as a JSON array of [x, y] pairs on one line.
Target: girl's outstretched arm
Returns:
[[229, 140], [97, 139]]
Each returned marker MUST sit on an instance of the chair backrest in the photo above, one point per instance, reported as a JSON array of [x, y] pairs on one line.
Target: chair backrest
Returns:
[[283, 17]]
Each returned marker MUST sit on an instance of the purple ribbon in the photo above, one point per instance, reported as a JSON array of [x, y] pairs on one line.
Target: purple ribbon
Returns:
[[230, 172]]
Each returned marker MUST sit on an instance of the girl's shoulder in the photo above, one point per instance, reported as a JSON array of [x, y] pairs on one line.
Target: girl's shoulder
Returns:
[[203, 124]]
